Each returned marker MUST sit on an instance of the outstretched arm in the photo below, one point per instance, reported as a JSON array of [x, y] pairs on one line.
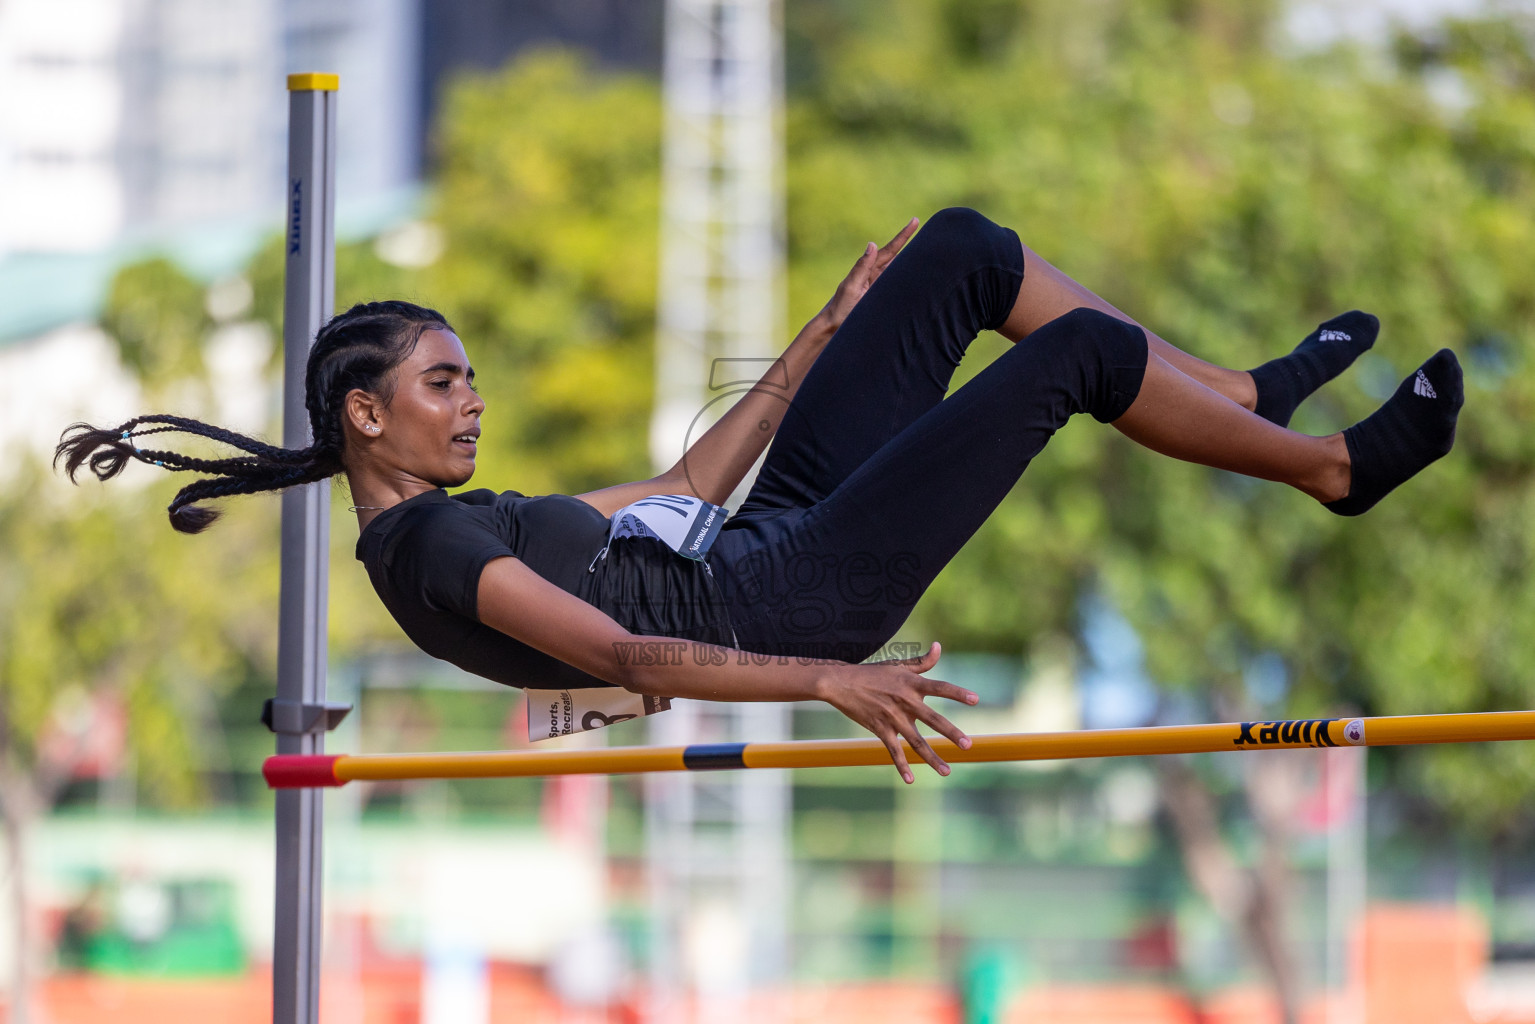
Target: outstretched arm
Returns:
[[885, 697], [715, 464]]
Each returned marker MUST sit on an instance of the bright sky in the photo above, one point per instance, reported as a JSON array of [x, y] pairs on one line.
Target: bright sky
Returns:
[[1317, 22]]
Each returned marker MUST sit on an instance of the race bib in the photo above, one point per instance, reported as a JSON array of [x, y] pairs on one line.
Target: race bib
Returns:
[[554, 713], [686, 524]]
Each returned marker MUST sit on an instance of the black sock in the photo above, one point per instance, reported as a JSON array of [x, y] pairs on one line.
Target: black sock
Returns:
[[1414, 427], [1327, 351]]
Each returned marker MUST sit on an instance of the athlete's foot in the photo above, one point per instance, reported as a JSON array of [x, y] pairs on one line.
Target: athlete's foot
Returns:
[[1280, 385], [1415, 427]]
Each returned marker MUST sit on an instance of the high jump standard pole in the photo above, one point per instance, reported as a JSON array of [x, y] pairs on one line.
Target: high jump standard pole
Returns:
[[299, 714]]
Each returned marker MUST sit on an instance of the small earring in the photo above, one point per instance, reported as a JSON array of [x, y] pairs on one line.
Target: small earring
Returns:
[[372, 429]]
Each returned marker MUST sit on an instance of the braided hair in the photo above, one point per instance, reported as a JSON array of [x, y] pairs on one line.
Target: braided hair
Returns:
[[358, 349]]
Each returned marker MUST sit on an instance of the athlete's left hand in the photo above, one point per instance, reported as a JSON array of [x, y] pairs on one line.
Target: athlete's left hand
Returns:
[[864, 273]]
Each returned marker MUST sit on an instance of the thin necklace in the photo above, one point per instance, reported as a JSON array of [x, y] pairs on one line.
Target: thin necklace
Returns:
[[371, 508]]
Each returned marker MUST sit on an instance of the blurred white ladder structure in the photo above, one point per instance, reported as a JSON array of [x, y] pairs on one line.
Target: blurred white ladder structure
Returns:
[[717, 867], [716, 844]]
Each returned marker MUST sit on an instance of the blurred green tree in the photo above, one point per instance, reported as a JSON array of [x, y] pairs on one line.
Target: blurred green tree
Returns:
[[1230, 192]]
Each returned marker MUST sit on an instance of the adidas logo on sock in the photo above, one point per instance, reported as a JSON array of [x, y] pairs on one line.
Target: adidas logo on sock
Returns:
[[1334, 336], [1421, 386]]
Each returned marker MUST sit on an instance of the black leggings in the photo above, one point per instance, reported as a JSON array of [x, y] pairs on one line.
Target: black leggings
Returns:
[[874, 481]]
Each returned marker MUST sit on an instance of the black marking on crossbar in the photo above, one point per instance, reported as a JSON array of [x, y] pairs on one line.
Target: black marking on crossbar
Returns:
[[1313, 732], [714, 756]]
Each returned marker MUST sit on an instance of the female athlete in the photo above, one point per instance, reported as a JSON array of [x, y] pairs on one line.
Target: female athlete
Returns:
[[607, 604]]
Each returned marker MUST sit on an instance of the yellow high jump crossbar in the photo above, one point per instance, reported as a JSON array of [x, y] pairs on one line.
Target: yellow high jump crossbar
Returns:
[[297, 771]]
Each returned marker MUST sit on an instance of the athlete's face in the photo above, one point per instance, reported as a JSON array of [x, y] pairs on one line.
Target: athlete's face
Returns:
[[431, 427]]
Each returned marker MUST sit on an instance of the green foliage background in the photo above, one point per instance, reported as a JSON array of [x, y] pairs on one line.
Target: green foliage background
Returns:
[[1176, 156]]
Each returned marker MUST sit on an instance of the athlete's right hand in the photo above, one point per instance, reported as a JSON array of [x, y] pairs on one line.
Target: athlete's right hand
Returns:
[[887, 698], [863, 275]]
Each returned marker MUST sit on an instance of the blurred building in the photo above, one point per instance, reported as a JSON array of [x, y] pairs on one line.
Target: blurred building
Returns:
[[123, 121]]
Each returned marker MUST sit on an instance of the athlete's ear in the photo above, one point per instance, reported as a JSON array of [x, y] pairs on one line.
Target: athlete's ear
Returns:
[[364, 413]]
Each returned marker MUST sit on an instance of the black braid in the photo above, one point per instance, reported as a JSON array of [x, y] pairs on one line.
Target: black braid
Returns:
[[358, 349], [188, 517], [181, 424]]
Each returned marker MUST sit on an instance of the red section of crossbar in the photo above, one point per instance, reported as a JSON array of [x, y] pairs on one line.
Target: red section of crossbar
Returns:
[[293, 771]]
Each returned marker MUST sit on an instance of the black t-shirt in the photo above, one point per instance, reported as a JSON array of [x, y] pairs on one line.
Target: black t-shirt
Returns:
[[425, 556]]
